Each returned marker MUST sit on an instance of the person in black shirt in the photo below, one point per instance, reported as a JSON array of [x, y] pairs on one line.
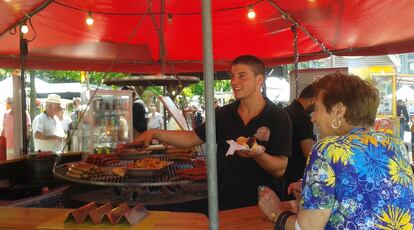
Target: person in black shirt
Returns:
[[252, 114], [216, 103], [404, 118], [302, 136], [139, 113]]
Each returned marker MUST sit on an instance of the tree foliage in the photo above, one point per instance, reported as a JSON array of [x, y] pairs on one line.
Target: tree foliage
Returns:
[[58, 76], [4, 73], [54, 76], [198, 89], [97, 78], [156, 90]]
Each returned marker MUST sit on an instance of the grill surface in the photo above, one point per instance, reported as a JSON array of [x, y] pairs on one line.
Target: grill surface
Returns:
[[168, 178]]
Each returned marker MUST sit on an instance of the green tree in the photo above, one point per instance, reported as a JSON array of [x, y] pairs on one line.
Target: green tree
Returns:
[[57, 76], [156, 90], [198, 89], [222, 84], [4, 73]]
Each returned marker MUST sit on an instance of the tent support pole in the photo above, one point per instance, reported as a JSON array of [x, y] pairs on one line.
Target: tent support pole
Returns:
[[162, 47], [295, 58], [23, 55], [164, 92], [210, 115]]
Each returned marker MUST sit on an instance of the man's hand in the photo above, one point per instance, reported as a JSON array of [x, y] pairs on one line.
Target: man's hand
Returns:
[[145, 137], [251, 153], [295, 189], [57, 138]]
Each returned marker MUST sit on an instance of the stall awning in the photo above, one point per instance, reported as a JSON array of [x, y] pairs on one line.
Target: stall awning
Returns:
[[126, 35]]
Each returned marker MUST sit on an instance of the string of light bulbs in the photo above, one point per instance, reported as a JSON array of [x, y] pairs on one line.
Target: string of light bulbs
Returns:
[[251, 14], [89, 19], [24, 29]]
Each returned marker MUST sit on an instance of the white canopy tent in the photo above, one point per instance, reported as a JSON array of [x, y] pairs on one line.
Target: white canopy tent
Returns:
[[404, 93], [6, 87], [43, 88], [277, 89]]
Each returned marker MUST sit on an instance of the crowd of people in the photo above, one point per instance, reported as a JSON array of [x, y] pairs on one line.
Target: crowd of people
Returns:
[[50, 128]]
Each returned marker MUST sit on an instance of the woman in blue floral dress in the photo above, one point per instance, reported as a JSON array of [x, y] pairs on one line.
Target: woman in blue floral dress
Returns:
[[355, 178]]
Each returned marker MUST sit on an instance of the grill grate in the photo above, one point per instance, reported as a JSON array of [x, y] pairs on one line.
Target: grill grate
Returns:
[[168, 178]]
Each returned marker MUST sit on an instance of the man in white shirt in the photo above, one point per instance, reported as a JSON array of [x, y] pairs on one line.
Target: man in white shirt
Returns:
[[64, 119], [47, 128], [155, 120]]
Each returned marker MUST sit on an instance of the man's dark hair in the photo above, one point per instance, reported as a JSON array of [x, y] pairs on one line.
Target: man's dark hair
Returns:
[[252, 61], [198, 118], [130, 88], [309, 92]]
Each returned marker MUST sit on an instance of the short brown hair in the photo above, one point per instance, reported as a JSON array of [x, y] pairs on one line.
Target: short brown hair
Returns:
[[254, 62], [309, 92], [360, 97]]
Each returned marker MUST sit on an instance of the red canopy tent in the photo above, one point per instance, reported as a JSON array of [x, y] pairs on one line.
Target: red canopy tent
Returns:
[[126, 35], [165, 36]]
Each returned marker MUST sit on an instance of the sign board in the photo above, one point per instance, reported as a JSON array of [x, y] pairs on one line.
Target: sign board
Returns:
[[307, 76], [175, 112]]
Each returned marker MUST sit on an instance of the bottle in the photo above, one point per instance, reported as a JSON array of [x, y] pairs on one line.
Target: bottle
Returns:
[[3, 154]]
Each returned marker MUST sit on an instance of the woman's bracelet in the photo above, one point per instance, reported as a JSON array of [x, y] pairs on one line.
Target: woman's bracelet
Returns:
[[273, 215], [281, 220]]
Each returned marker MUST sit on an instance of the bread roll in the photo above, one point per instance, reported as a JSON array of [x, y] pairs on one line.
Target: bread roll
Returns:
[[242, 141]]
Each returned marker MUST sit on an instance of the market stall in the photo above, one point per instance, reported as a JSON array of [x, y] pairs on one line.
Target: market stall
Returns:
[[135, 37]]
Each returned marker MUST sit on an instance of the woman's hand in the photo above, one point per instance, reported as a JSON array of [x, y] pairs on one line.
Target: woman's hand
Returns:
[[271, 205], [269, 202]]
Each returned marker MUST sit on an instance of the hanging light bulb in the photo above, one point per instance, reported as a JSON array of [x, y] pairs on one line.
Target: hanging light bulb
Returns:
[[24, 28], [89, 19], [169, 18], [251, 14]]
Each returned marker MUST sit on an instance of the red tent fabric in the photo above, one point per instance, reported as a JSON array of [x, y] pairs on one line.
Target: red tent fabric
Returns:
[[125, 36]]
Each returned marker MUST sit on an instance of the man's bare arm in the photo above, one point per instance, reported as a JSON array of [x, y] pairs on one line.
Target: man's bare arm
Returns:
[[179, 138], [274, 165], [306, 146]]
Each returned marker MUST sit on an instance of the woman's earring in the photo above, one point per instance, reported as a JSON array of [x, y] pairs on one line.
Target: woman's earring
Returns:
[[336, 123]]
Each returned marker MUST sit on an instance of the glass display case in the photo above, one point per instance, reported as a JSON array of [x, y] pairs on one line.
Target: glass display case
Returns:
[[385, 83], [387, 120], [108, 120]]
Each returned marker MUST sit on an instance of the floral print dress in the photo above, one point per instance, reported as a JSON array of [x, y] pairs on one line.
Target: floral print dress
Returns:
[[364, 177]]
